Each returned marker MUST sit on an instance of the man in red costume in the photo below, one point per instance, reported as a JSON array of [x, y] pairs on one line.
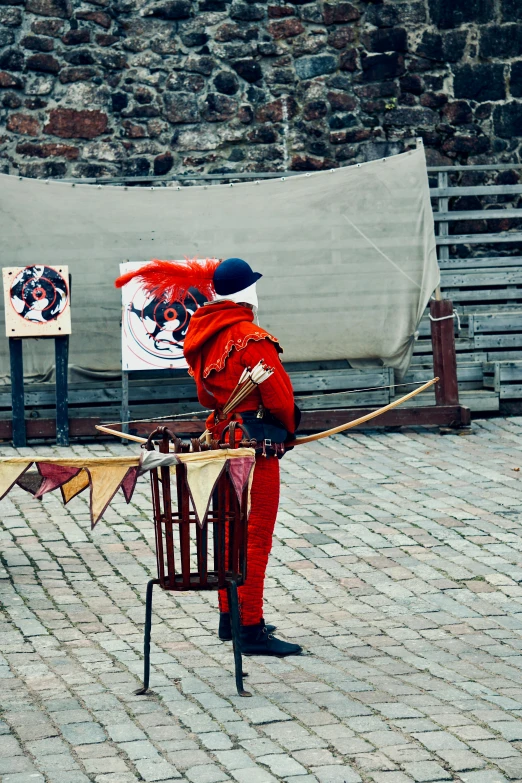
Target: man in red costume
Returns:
[[223, 340]]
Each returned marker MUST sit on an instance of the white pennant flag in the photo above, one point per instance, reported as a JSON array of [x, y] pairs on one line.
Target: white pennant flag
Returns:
[[202, 477]]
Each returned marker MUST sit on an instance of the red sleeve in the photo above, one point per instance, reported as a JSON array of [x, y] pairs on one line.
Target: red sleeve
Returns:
[[276, 392]]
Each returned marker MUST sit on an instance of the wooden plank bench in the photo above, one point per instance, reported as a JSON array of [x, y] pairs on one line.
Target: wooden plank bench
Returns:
[[482, 277], [496, 330], [316, 390], [476, 400], [469, 376], [505, 378]]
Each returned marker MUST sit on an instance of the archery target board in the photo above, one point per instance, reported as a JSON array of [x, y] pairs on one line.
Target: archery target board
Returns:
[[152, 330], [37, 301]]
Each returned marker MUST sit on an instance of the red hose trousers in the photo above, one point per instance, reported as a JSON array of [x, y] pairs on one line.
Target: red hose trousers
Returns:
[[261, 523]]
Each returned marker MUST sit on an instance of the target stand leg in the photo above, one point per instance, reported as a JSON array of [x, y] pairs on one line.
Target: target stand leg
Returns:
[[61, 352], [125, 413], [17, 391]]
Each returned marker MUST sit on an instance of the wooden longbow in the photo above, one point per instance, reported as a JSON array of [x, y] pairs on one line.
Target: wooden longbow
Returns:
[[309, 438]]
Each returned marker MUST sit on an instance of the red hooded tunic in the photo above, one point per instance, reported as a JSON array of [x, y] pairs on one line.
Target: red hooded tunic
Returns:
[[221, 341]]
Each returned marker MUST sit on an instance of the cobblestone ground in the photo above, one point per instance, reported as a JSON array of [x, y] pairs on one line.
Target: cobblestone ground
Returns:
[[397, 565]]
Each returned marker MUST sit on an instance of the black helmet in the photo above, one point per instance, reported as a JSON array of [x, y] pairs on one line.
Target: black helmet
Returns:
[[234, 275]]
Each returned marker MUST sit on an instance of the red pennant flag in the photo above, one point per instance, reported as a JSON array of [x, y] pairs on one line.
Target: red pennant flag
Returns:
[[54, 476]]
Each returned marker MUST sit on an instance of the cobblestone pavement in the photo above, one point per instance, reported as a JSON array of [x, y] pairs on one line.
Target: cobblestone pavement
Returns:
[[397, 565]]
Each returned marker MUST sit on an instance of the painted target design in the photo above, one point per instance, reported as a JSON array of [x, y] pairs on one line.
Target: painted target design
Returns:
[[39, 294], [154, 330]]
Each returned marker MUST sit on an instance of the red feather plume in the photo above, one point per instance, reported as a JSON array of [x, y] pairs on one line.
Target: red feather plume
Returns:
[[170, 280]]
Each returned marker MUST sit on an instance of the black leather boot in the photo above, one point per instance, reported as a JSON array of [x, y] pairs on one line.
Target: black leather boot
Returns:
[[257, 640], [225, 628]]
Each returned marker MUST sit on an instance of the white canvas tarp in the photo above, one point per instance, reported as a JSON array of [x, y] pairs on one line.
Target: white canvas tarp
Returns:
[[348, 256]]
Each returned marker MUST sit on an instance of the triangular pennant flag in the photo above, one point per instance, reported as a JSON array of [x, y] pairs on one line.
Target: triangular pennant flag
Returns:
[[10, 472], [54, 476], [105, 482], [129, 483], [31, 481], [202, 478], [75, 485], [250, 482], [239, 470]]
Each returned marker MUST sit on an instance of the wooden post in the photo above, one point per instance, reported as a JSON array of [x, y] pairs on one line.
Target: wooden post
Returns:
[[17, 391], [444, 356], [61, 353]]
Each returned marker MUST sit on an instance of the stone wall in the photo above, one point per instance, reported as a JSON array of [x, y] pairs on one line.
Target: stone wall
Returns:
[[133, 87]]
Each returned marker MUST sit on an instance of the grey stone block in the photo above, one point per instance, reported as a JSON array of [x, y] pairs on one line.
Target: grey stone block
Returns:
[[439, 740], [264, 715], [12, 764], [139, 749], [63, 717], [336, 774], [9, 746], [83, 733], [124, 732], [253, 775], [46, 747], [484, 776], [234, 759], [154, 769], [461, 760], [427, 771], [206, 773], [495, 749], [70, 776], [281, 765]]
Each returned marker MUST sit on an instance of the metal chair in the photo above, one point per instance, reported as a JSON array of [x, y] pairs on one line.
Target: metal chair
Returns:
[[217, 550]]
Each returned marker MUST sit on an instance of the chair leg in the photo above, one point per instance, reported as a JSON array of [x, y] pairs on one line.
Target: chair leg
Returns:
[[233, 603], [146, 640]]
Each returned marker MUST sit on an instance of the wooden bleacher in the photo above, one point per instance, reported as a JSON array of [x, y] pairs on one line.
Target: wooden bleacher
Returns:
[[480, 255]]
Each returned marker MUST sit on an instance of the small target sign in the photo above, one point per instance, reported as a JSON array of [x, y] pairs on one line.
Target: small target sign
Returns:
[[37, 301]]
